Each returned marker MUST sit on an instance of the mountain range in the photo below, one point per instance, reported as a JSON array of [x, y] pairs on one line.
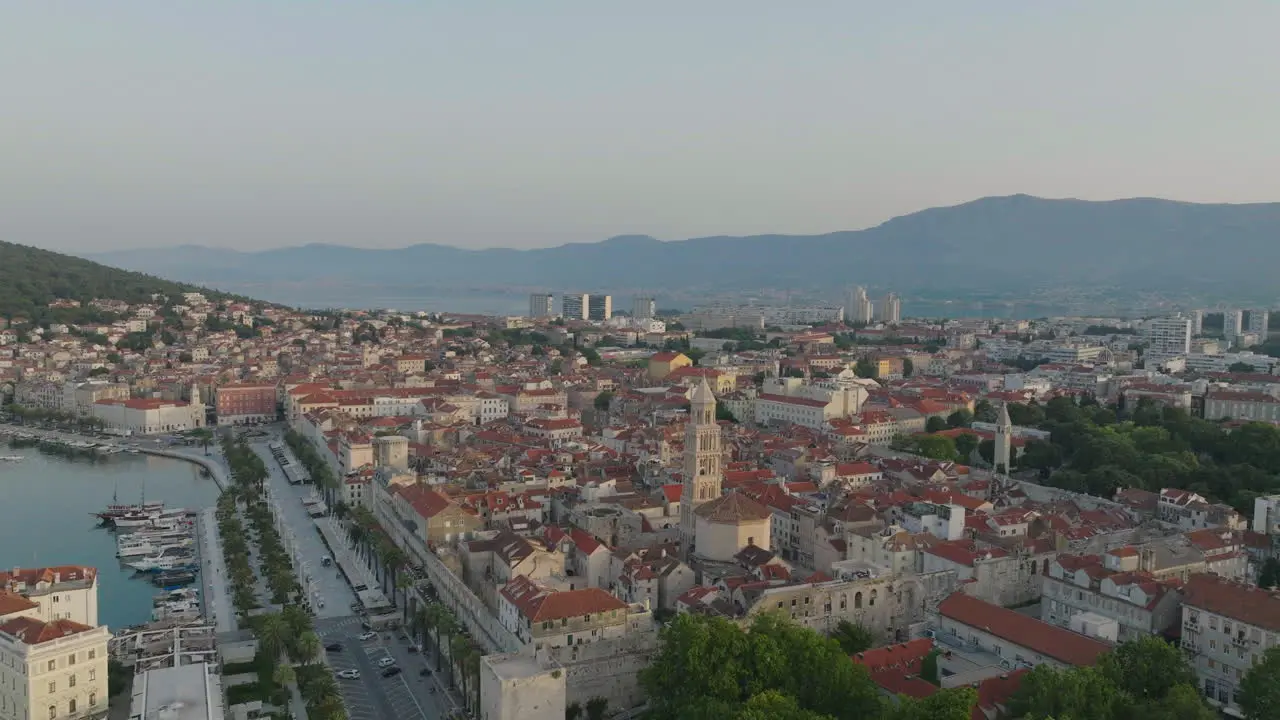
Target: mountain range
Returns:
[[995, 242]]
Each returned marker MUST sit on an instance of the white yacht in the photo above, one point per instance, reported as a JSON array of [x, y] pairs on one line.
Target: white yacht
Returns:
[[152, 547]]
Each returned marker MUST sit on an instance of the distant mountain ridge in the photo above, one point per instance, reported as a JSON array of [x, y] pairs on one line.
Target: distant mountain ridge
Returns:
[[994, 241]]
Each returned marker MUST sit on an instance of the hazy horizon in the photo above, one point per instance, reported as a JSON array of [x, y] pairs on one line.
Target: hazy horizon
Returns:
[[252, 126]]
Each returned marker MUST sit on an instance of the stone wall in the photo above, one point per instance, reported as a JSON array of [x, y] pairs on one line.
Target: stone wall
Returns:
[[608, 669]]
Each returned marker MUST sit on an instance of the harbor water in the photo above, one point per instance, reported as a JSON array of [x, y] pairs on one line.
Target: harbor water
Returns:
[[46, 517]]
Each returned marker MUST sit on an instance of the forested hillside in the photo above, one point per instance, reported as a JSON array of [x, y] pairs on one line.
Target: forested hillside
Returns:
[[31, 278]]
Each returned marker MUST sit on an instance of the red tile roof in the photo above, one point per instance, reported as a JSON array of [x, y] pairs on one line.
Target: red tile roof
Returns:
[[1238, 601], [1048, 640], [34, 632], [540, 604]]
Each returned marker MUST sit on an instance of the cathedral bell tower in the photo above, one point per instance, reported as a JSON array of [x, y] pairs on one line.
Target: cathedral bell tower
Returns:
[[702, 457]]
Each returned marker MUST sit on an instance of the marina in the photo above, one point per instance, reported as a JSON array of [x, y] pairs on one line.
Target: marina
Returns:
[[74, 507]]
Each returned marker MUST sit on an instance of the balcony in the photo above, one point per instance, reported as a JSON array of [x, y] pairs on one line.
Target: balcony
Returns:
[[1191, 626], [1240, 641]]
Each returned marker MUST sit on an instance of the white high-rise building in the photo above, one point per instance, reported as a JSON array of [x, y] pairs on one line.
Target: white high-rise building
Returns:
[[542, 305], [857, 306], [1232, 324], [643, 308], [1258, 320], [1167, 337], [891, 309], [1197, 322], [599, 307], [573, 306]]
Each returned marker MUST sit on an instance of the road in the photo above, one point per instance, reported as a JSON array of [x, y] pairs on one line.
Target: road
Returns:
[[408, 695]]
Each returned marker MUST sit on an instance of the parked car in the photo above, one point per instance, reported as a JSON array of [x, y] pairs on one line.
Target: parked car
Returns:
[[391, 672], [368, 635], [349, 674], [386, 662]]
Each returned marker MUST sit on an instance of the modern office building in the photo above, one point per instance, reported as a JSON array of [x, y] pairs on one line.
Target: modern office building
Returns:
[[857, 306], [1232, 325], [644, 308], [542, 305], [599, 307], [573, 306], [193, 690], [891, 309], [1168, 337]]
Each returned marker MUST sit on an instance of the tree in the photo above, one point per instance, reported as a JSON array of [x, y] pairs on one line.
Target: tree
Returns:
[[1182, 703], [938, 447], [711, 668], [572, 711], [284, 675], [966, 443], [602, 401], [1041, 455], [1269, 576], [1078, 693], [983, 411], [960, 418], [1260, 688], [853, 638], [935, 424], [987, 451], [929, 668], [954, 704], [273, 634], [908, 367], [864, 368], [1240, 367], [1147, 668]]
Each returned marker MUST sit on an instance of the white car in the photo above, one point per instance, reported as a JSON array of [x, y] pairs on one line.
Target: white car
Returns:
[[349, 674], [368, 635], [386, 662]]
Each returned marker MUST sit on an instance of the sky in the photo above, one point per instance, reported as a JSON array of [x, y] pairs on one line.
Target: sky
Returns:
[[262, 123]]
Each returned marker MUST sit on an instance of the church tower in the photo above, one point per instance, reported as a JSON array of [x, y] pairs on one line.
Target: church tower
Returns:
[[702, 458], [1003, 440]]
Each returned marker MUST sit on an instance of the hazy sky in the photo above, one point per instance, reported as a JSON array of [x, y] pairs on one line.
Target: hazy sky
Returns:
[[261, 123]]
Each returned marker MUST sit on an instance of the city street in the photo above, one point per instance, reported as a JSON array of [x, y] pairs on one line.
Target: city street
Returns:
[[299, 533], [407, 695]]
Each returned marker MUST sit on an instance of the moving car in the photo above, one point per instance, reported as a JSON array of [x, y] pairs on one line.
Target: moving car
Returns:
[[349, 674], [390, 672], [333, 647], [368, 635], [386, 662]]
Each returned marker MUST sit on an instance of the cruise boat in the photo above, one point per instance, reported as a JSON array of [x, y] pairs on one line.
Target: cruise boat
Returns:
[[173, 578], [165, 520], [11, 458], [167, 559], [180, 609], [152, 548], [177, 595]]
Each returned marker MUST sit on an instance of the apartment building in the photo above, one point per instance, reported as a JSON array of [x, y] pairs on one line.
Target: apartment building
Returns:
[[64, 592], [891, 309], [1167, 337], [55, 670], [1020, 641], [245, 403], [148, 416], [1226, 627], [1110, 597], [546, 618], [1241, 405], [643, 308], [542, 305], [857, 306], [599, 307], [574, 306]]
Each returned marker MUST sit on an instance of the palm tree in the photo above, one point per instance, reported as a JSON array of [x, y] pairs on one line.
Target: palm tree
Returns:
[[319, 687], [329, 707], [284, 675], [297, 618], [307, 648], [273, 634], [573, 711], [446, 628], [458, 649], [471, 670], [403, 584], [423, 621]]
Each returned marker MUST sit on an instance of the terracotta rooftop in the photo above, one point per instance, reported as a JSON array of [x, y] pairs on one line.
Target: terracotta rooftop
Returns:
[[34, 632], [1048, 640], [1246, 603], [732, 508]]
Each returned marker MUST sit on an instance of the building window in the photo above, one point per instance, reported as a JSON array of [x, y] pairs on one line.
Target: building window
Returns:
[[53, 712], [53, 687], [71, 681], [93, 675], [71, 705], [53, 664], [93, 654], [857, 601], [93, 699], [71, 659]]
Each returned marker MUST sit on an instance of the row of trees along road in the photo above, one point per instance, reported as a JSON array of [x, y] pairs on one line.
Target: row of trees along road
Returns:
[[1097, 449], [712, 669]]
